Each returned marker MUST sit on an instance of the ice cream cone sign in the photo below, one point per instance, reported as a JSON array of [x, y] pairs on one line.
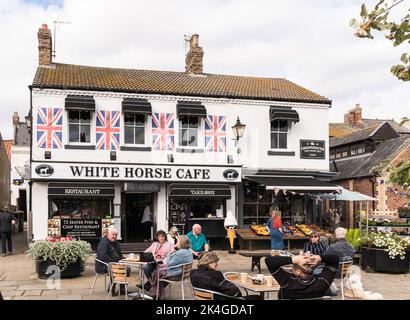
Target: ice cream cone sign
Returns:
[[231, 224]]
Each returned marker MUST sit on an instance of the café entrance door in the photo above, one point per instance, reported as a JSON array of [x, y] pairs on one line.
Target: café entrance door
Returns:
[[135, 204]]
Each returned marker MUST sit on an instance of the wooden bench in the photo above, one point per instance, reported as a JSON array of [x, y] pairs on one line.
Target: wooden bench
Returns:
[[137, 247]]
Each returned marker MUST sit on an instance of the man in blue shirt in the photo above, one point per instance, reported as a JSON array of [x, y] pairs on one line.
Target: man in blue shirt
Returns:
[[198, 240]]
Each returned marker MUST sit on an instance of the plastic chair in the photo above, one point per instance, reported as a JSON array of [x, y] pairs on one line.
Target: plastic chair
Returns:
[[97, 274], [118, 275], [344, 275], [186, 271], [203, 294]]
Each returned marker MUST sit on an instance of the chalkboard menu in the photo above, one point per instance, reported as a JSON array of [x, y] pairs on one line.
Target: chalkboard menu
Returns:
[[178, 215], [312, 149], [81, 228]]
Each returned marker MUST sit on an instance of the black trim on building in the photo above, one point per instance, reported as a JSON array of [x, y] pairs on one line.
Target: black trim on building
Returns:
[[125, 148], [278, 113], [136, 105], [78, 147], [89, 190], [200, 190], [186, 150], [281, 153], [74, 102], [188, 108]]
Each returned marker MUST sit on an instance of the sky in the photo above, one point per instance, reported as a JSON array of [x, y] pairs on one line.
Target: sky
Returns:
[[307, 42]]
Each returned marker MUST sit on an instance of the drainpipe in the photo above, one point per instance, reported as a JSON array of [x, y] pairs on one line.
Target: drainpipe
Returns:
[[30, 183]]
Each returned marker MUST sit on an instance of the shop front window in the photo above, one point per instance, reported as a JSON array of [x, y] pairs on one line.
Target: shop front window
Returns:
[[134, 128], [80, 208], [79, 126], [188, 131], [206, 209], [257, 201]]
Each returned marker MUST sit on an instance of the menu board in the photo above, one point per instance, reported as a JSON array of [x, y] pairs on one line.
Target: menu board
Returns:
[[178, 215], [81, 228]]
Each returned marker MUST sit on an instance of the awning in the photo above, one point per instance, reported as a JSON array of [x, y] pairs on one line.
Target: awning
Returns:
[[136, 105], [221, 191], [299, 184], [73, 102], [76, 190], [187, 108], [283, 114], [347, 195]]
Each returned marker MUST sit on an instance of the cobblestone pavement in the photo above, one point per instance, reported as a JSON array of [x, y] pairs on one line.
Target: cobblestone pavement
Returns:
[[18, 280]]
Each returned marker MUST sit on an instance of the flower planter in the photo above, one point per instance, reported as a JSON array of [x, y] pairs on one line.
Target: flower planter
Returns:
[[379, 260], [72, 270]]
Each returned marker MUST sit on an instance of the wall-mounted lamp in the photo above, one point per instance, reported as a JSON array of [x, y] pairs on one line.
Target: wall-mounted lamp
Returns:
[[113, 155], [170, 158], [238, 130], [47, 154]]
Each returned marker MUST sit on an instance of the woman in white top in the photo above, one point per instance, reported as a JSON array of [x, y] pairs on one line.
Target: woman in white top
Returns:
[[172, 235]]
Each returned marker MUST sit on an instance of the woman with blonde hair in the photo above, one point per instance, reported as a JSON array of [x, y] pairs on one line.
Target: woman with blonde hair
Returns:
[[275, 228]]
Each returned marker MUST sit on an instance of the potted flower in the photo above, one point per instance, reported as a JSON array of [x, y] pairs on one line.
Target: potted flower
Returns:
[[64, 252], [385, 252]]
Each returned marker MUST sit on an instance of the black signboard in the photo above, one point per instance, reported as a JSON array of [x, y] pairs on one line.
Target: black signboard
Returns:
[[81, 190], [312, 149], [81, 228], [179, 215]]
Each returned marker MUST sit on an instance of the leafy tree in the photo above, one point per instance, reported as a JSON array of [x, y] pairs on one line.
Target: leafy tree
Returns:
[[400, 174], [397, 32]]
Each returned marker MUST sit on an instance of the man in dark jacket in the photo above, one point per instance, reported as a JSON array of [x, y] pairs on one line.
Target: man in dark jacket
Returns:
[[301, 283], [108, 250], [7, 220]]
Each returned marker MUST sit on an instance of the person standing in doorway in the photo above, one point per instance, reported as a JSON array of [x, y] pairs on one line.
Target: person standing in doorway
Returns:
[[275, 229], [7, 220], [147, 219]]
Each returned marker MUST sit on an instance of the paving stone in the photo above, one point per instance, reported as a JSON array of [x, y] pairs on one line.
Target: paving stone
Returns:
[[70, 297], [8, 288], [32, 293], [12, 293], [55, 293], [33, 287]]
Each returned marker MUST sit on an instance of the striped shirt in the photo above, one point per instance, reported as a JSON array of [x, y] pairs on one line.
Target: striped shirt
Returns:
[[315, 248]]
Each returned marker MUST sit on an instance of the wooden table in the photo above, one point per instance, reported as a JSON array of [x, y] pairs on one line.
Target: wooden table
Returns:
[[140, 265], [256, 256], [250, 237], [261, 289]]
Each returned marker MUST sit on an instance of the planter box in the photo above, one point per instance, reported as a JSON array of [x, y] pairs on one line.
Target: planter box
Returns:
[[72, 270], [379, 260]]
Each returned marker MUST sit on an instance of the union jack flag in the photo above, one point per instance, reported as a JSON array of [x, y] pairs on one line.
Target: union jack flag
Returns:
[[215, 133], [49, 128], [108, 130], [163, 131]]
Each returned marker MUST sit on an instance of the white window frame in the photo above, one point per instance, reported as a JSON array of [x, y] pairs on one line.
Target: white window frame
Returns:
[[279, 132], [200, 137], [92, 129], [147, 127]]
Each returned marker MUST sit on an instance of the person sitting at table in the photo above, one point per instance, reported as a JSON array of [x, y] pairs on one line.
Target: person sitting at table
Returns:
[[301, 283], [315, 245], [181, 255], [160, 249], [172, 235], [197, 240], [207, 277]]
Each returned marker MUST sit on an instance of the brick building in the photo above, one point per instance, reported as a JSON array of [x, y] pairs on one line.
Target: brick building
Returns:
[[5, 146]]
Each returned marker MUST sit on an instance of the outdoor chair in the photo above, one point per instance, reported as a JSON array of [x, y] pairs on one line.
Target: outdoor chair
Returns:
[[98, 274], [203, 294], [118, 273], [226, 276], [186, 271], [344, 275]]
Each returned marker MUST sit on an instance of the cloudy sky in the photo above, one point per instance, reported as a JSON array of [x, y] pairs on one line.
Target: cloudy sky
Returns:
[[308, 42]]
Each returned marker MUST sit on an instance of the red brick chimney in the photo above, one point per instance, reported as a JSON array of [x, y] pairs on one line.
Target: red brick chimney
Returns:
[[193, 60], [353, 117], [44, 46]]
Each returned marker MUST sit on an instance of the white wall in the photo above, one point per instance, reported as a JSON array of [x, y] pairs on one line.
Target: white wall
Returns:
[[19, 157], [40, 210]]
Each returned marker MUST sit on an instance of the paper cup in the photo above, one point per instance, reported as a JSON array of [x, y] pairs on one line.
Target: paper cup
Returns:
[[269, 281], [244, 277], [132, 256]]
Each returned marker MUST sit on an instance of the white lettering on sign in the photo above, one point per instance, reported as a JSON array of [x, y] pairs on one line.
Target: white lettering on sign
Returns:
[[202, 192], [82, 191]]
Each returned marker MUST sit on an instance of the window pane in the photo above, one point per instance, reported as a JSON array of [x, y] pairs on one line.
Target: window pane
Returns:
[[193, 122], [139, 135], [73, 116], [129, 118], [139, 119], [101, 208], [283, 140], [73, 133], [183, 137], [283, 126], [183, 122], [84, 133], [85, 116], [274, 140], [129, 135], [274, 125], [193, 141]]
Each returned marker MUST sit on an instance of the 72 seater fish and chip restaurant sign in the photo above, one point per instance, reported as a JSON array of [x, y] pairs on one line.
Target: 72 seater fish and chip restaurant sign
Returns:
[[108, 172]]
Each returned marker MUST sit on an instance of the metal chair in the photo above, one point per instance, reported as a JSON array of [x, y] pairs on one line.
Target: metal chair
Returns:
[[97, 274], [203, 294], [186, 271], [118, 275], [344, 275], [228, 274]]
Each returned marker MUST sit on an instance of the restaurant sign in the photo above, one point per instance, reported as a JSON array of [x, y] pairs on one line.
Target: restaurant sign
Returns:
[[81, 228], [312, 149]]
